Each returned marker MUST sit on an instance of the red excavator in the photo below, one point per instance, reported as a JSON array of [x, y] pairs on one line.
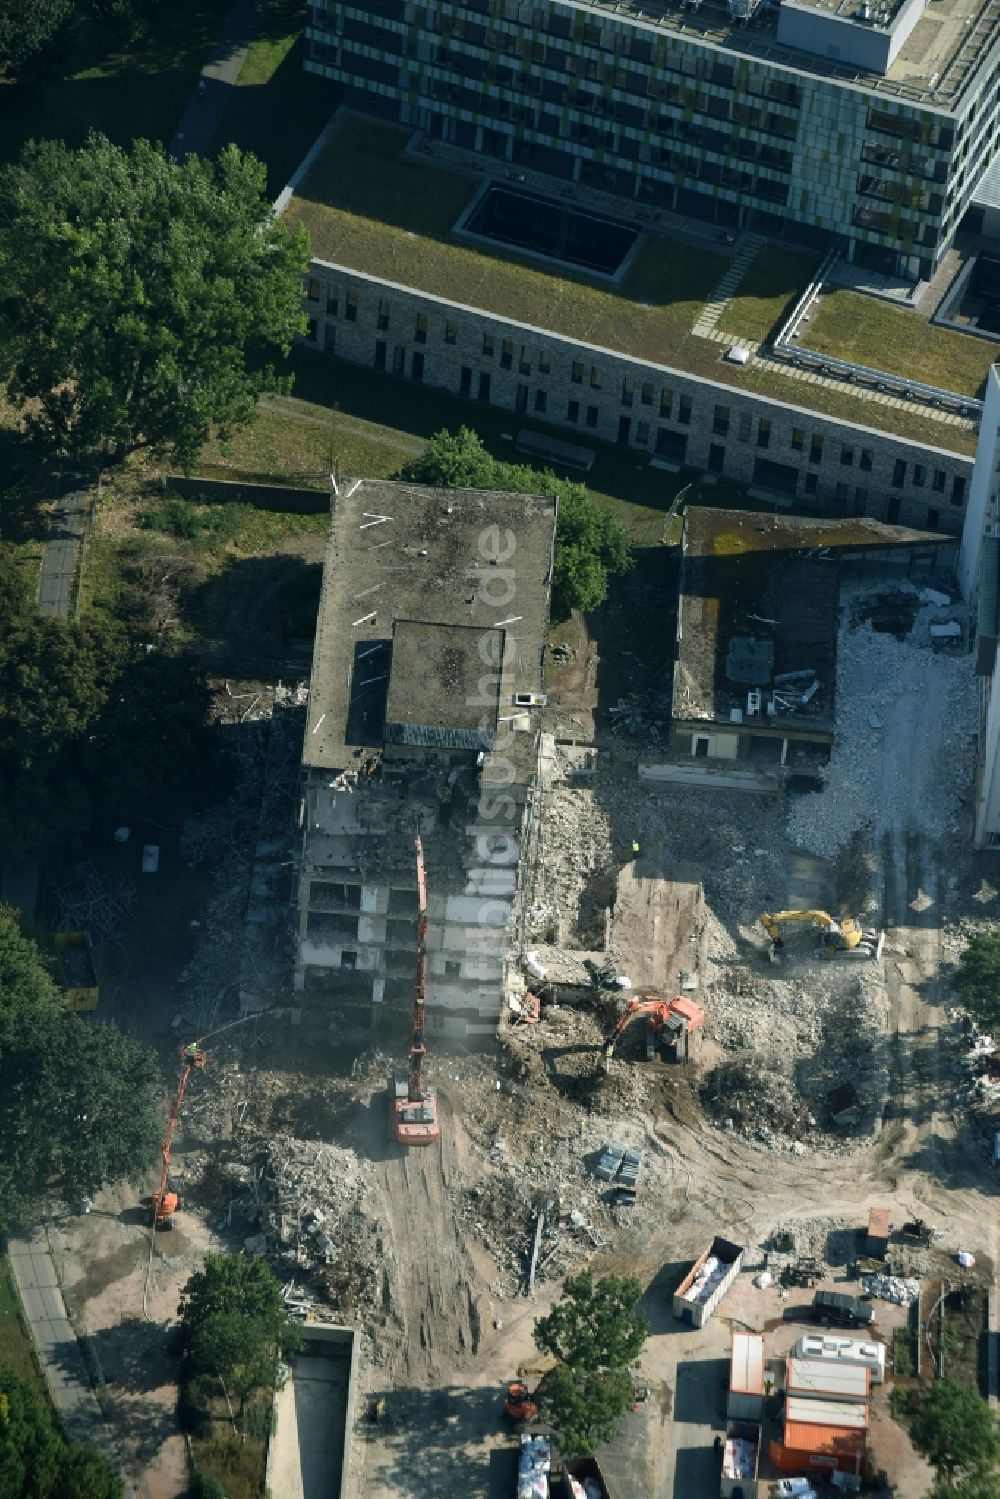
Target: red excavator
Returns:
[[166, 1202], [679, 1018], [414, 1110]]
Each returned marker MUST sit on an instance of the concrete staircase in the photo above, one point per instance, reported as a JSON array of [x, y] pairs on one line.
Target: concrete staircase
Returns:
[[723, 294]]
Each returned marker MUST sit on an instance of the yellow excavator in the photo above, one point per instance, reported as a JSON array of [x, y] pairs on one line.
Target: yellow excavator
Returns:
[[845, 938]]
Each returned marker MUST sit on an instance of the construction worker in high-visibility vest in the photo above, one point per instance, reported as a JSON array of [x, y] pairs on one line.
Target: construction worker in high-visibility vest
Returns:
[[191, 1054], [635, 849]]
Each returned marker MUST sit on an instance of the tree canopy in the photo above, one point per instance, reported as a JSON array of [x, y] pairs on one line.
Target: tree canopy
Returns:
[[78, 1105], [233, 1323], [142, 301], [978, 979], [953, 1427], [35, 1461], [979, 1483], [596, 1332], [591, 545], [27, 29]]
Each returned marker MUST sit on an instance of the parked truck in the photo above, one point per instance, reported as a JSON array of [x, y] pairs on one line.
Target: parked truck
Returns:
[[708, 1280], [76, 975]]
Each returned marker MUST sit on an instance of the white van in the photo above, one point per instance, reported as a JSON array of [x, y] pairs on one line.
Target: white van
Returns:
[[846, 1350]]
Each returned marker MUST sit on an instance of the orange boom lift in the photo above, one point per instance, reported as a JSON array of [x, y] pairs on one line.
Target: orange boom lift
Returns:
[[414, 1111], [165, 1201]]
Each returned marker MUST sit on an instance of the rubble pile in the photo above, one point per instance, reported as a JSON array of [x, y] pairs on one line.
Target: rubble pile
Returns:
[[905, 740], [757, 1097]]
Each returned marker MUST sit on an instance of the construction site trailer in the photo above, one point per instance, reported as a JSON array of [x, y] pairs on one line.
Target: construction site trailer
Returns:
[[828, 1346], [746, 1377], [708, 1280], [740, 1461], [821, 1436], [823, 1379]]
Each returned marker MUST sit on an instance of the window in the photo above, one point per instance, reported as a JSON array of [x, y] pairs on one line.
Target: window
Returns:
[[898, 473], [920, 475], [666, 403], [716, 458], [646, 395], [573, 411], [484, 388], [452, 969], [399, 360], [541, 401], [420, 330], [577, 373], [939, 478], [311, 329], [332, 301], [957, 490], [860, 499], [544, 367], [842, 492], [507, 354], [684, 410], [417, 365], [381, 348], [465, 381], [867, 459], [846, 456], [798, 439], [383, 316], [451, 333], [628, 392], [591, 416], [720, 421], [812, 480], [642, 433], [933, 516], [815, 449], [595, 377], [314, 290], [487, 345], [524, 363], [330, 337], [348, 959], [351, 306], [764, 432], [744, 426]]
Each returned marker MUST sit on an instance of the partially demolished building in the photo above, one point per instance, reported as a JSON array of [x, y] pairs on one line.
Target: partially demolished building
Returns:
[[424, 716]]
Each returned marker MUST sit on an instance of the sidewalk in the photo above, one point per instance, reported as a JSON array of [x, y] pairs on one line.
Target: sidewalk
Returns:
[[207, 104], [59, 1353]]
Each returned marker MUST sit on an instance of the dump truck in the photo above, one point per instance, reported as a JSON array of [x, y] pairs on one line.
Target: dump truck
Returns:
[[76, 974]]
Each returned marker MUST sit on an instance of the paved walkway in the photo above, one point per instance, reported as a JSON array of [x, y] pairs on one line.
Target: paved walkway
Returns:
[[59, 1352], [64, 553], [723, 294], [207, 104]]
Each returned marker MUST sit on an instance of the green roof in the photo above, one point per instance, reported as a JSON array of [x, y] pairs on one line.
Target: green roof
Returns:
[[367, 206]]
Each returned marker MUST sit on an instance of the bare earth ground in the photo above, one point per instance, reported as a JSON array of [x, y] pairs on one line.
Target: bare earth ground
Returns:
[[430, 1250]]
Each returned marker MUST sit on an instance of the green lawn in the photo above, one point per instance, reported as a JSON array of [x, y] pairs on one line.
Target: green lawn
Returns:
[[139, 92], [278, 109], [897, 340], [774, 281], [16, 1348]]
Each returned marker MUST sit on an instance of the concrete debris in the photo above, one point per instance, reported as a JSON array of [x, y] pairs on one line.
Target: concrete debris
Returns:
[[892, 1288], [904, 690]]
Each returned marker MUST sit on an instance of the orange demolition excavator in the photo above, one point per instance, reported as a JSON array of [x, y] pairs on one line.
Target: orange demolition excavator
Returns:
[[414, 1110], [679, 1018], [165, 1201]]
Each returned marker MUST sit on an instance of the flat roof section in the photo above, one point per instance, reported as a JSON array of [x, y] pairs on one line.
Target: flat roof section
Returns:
[[827, 1379], [444, 685], [845, 1415], [464, 569], [758, 613], [746, 1367]]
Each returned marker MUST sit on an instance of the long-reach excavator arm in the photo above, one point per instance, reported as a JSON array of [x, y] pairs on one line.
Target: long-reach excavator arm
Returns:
[[838, 938], [166, 1202], [414, 1110], [679, 1014]]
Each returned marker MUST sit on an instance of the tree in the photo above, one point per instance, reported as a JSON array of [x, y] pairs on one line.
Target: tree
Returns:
[[953, 1427], [78, 1106], [27, 30], [35, 1461], [595, 1332], [596, 1325], [978, 979], [582, 1408], [233, 1323], [143, 300], [591, 545], [980, 1483]]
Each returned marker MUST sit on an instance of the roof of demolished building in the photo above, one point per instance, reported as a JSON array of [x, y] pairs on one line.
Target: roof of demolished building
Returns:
[[426, 592], [757, 616]]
